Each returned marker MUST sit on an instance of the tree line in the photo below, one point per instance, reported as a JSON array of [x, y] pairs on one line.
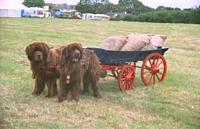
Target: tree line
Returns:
[[132, 10], [103, 6], [166, 16]]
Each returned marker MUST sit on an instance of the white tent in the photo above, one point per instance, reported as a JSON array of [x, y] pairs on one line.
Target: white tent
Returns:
[[11, 8]]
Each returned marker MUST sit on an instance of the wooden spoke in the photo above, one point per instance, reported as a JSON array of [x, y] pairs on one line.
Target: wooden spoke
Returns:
[[156, 71], [157, 77], [126, 77]]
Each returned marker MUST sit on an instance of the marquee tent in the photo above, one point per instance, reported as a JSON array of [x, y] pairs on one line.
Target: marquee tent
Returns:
[[11, 8]]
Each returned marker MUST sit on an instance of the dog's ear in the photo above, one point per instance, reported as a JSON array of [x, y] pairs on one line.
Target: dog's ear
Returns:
[[64, 56], [80, 48], [45, 48], [81, 52], [28, 52]]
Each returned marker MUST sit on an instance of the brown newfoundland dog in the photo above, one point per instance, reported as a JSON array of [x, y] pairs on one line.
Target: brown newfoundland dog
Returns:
[[44, 62], [76, 65]]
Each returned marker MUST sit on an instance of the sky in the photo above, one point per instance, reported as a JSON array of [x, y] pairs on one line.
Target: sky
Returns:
[[151, 3]]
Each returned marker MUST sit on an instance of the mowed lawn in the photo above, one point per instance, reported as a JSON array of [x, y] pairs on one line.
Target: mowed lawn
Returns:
[[174, 104]]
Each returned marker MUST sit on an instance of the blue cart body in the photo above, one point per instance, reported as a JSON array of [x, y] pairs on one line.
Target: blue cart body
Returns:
[[108, 57]]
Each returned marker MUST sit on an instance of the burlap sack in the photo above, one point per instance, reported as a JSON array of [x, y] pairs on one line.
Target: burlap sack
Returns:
[[114, 43], [149, 47], [156, 41], [136, 42]]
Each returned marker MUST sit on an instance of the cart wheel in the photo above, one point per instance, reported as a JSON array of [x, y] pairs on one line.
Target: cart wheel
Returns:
[[153, 69], [126, 77], [115, 73]]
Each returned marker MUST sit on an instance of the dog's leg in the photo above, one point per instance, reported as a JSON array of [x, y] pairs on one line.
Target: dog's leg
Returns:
[[64, 90], [76, 91], [55, 91], [85, 84], [35, 88], [94, 86], [49, 85], [62, 93], [39, 86]]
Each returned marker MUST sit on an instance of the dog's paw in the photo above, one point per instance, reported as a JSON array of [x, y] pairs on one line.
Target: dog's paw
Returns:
[[36, 93], [48, 96], [60, 99], [76, 99], [98, 96]]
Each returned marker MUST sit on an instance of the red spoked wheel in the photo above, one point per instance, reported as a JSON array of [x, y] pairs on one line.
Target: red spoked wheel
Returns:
[[126, 78], [153, 69]]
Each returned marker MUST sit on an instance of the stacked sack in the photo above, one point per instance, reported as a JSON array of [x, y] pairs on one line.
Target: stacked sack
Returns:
[[156, 41], [114, 43], [134, 42]]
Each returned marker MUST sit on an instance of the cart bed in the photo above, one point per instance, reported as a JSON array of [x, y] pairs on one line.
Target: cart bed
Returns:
[[120, 57]]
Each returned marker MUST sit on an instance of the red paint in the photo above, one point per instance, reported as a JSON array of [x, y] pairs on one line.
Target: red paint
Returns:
[[126, 79], [53, 68], [153, 69]]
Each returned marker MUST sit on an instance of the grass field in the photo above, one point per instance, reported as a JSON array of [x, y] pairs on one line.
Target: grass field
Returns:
[[174, 104]]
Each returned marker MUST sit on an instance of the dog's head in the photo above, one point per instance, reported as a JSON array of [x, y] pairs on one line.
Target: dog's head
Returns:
[[37, 51], [72, 53]]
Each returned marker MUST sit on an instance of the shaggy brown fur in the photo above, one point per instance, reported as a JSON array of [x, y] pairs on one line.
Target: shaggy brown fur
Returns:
[[76, 65], [52, 72], [43, 65]]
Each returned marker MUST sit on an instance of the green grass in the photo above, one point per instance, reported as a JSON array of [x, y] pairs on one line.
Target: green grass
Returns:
[[173, 104]]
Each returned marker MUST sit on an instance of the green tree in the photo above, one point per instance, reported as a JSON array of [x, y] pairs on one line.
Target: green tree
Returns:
[[109, 7], [85, 8], [85, 2], [104, 6], [94, 2], [94, 6], [195, 15], [54, 8], [34, 3], [133, 6], [159, 8], [127, 5]]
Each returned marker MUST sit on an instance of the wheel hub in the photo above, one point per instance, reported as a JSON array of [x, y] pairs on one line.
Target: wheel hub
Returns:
[[129, 76], [154, 69]]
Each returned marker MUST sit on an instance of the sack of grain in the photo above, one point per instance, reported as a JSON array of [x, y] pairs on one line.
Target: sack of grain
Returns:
[[149, 47], [114, 43], [136, 42], [156, 41]]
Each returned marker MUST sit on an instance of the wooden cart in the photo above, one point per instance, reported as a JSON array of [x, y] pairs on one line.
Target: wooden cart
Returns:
[[123, 64]]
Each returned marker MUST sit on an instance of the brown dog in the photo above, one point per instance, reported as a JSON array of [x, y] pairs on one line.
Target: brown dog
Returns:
[[43, 65], [52, 70], [76, 65]]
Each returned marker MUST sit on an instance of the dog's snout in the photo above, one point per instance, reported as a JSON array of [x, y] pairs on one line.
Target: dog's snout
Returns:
[[38, 56], [76, 55]]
